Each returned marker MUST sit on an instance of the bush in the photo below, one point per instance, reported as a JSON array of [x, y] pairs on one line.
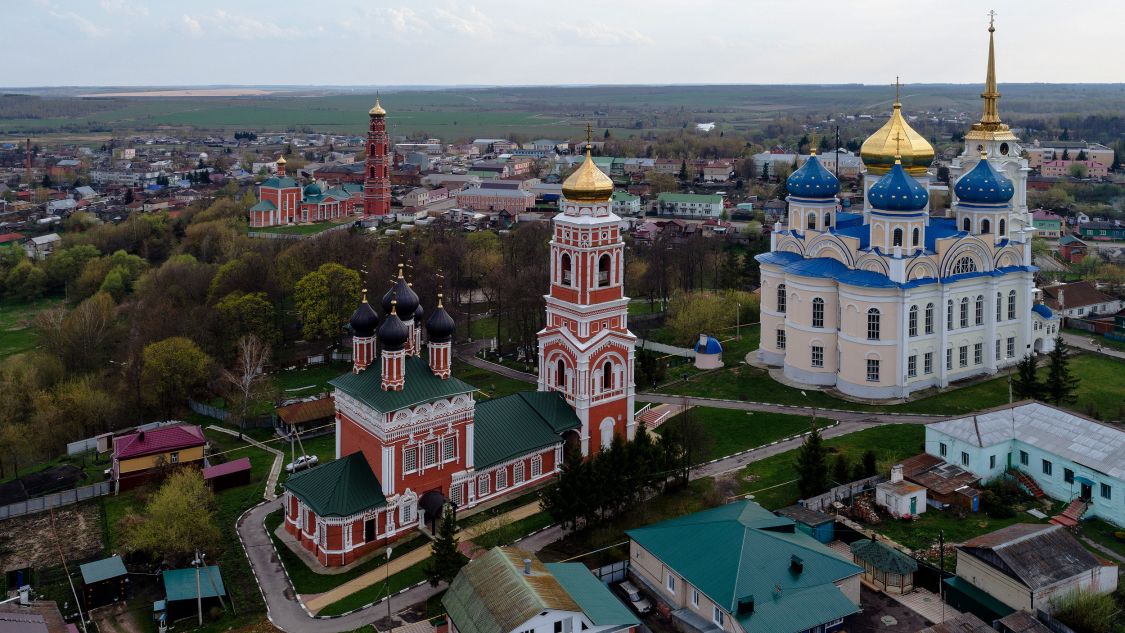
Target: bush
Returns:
[[995, 505], [1087, 612], [1119, 535]]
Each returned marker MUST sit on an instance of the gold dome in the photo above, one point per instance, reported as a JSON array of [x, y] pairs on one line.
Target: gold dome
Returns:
[[588, 183], [896, 138], [281, 160], [378, 109]]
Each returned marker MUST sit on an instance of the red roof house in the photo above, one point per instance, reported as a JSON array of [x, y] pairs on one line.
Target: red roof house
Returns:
[[143, 455]]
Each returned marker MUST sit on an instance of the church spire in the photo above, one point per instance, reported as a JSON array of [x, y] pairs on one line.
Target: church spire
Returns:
[[991, 95]]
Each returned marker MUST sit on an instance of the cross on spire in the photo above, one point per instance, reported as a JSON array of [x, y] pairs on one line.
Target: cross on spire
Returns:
[[992, 20], [589, 135], [897, 87]]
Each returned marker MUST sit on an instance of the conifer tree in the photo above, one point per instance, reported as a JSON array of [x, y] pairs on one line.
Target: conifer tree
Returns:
[[840, 469], [1026, 384], [1061, 384], [812, 466], [445, 560]]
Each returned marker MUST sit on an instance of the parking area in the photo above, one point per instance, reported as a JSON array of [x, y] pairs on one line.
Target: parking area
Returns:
[[881, 614]]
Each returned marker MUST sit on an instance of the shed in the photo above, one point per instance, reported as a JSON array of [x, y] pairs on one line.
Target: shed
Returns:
[[228, 475], [945, 483], [884, 567], [104, 582], [180, 590], [902, 499], [816, 524], [299, 416], [708, 353]]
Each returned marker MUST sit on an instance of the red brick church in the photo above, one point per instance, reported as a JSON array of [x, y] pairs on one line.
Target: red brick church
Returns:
[[411, 437]]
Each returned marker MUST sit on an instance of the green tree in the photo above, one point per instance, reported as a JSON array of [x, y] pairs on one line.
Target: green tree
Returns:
[[812, 466], [870, 465], [841, 469], [26, 281], [179, 519], [1061, 384], [239, 314], [683, 175], [445, 559], [174, 369], [1026, 384], [325, 298], [64, 265]]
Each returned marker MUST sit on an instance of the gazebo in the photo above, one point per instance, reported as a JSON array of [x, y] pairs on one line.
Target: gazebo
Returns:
[[884, 567]]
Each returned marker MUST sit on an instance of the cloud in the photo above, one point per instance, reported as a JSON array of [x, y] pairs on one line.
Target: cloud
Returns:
[[124, 7], [191, 25], [226, 25], [597, 34], [470, 22], [402, 19], [82, 23]]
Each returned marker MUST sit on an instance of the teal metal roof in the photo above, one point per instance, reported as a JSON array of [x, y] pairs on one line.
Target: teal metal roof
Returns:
[[279, 183], [884, 557], [596, 600], [742, 551], [421, 385], [179, 584], [340, 488], [519, 424], [690, 197], [264, 205], [103, 569]]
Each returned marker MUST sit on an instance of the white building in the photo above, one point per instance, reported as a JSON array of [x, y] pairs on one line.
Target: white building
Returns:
[[901, 498], [689, 205], [625, 203]]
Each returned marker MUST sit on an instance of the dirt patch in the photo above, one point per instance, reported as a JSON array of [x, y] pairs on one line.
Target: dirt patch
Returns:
[[30, 540], [40, 483], [727, 484], [116, 618]]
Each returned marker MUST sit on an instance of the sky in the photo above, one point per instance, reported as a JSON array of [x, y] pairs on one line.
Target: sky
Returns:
[[528, 42]]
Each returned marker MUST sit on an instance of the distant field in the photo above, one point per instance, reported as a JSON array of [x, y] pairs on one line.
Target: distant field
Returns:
[[17, 325]]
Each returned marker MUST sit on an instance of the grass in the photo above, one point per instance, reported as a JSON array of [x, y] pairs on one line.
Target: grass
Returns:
[[323, 446], [772, 480], [90, 463], [644, 307], [501, 508], [925, 530], [491, 385], [306, 382], [297, 229], [731, 431], [1102, 533], [511, 532], [17, 325], [406, 578]]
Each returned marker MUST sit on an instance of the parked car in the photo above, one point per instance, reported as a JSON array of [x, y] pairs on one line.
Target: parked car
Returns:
[[301, 463], [640, 603]]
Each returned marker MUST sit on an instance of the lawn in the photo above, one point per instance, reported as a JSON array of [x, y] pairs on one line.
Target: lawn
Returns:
[[1103, 534], [90, 463], [297, 229], [323, 446], [731, 431], [644, 307], [294, 383], [491, 385], [924, 531], [17, 325], [772, 481]]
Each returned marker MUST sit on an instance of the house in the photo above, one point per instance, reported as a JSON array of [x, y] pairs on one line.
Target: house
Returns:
[[1080, 299], [946, 484], [738, 567], [104, 582], [1062, 455], [141, 456], [884, 567], [42, 246], [1044, 151], [689, 205], [961, 623], [625, 203], [1026, 565], [1047, 223], [818, 525], [491, 199], [902, 499], [186, 590], [1101, 231], [508, 590], [299, 417], [1072, 249], [1059, 168]]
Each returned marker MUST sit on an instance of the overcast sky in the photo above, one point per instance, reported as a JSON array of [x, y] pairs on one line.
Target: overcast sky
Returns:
[[395, 42]]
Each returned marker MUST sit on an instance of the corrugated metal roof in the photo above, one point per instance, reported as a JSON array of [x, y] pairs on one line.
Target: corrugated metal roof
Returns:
[[420, 385], [596, 600], [519, 424], [227, 468], [179, 584], [962, 623], [1082, 441], [884, 557], [301, 412], [158, 440], [339, 488], [103, 569], [1035, 555]]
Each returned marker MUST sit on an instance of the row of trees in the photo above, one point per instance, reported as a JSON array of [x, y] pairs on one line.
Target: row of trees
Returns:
[[813, 473], [1059, 386]]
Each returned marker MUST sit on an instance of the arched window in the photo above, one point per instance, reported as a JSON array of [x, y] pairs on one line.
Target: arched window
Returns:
[[781, 298], [966, 225], [827, 220], [913, 321], [964, 312], [999, 307], [607, 375], [811, 221], [604, 265], [915, 237], [607, 433], [873, 324], [372, 172], [964, 265], [818, 312], [979, 310], [1002, 227], [949, 315], [897, 238], [567, 273], [1012, 305], [560, 373], [985, 227], [929, 318]]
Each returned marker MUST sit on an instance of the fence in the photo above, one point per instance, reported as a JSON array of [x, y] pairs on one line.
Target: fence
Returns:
[[222, 415], [82, 446], [614, 572], [341, 356], [269, 235], [1046, 620], [840, 493], [55, 500]]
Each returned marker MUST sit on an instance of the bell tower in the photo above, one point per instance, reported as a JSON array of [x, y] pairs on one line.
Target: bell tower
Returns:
[[377, 177], [586, 349]]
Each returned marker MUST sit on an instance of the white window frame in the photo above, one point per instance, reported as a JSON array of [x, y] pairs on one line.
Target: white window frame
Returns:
[[817, 356], [978, 353], [717, 615], [449, 448], [455, 494], [929, 318], [670, 583], [536, 466], [1011, 347], [519, 473], [912, 365], [409, 459], [429, 454], [695, 597], [174, 457], [928, 363], [818, 312], [501, 479], [781, 338], [482, 486], [872, 370], [874, 324], [912, 326]]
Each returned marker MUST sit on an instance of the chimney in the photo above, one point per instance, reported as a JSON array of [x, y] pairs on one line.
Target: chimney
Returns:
[[796, 565], [896, 473], [141, 435], [746, 605], [527, 567]]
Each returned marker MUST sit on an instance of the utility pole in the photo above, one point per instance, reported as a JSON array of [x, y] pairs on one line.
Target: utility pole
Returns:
[[737, 321], [198, 593], [66, 569]]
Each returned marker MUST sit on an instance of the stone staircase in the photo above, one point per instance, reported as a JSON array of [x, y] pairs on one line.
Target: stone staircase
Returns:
[[1072, 514], [1029, 484], [653, 417]]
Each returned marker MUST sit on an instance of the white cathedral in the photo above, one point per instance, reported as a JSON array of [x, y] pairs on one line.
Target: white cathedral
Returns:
[[897, 298]]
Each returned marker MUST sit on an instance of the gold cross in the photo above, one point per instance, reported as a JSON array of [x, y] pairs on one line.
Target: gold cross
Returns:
[[897, 86], [589, 135], [992, 18]]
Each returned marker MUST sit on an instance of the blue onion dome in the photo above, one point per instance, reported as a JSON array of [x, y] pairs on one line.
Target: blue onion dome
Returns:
[[812, 180], [898, 191], [407, 298], [393, 332], [364, 320], [440, 326], [984, 184], [312, 190]]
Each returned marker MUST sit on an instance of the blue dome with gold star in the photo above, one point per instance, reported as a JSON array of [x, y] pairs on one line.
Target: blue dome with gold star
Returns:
[[812, 180], [984, 184], [898, 191]]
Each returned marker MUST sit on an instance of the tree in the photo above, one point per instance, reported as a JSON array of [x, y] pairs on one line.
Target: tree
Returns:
[[237, 315], [325, 298], [812, 466], [841, 470], [246, 381], [174, 369], [870, 467], [662, 183], [177, 521], [1061, 383], [445, 559], [1026, 384], [1066, 154], [1078, 170], [683, 170], [26, 281], [689, 441]]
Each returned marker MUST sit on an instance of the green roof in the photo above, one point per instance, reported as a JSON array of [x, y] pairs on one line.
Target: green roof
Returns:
[[690, 197], [103, 569], [1069, 239], [421, 385], [979, 596], [279, 183], [596, 600], [884, 557], [519, 424], [623, 196], [340, 488], [179, 584], [264, 205], [742, 551]]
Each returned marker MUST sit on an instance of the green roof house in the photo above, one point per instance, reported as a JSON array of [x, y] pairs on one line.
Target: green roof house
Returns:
[[508, 590], [739, 563]]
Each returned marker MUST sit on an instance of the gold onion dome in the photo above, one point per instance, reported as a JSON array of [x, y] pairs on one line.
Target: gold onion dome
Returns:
[[377, 110], [896, 138], [588, 183], [281, 160]]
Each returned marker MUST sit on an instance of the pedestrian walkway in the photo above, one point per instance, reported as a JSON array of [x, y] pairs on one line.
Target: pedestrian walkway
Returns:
[[270, 493], [664, 348], [315, 603], [1091, 344], [926, 604], [1112, 555]]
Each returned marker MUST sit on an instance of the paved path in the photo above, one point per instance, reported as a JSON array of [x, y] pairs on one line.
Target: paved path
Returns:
[[1091, 344], [270, 493], [664, 348], [1104, 550], [834, 414]]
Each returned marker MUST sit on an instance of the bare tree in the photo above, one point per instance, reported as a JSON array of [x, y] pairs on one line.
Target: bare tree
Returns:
[[247, 381]]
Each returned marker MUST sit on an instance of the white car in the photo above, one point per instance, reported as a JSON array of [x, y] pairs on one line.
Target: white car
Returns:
[[301, 463], [639, 602]]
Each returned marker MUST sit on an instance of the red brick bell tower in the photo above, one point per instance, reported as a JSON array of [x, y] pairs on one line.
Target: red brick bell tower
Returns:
[[377, 179]]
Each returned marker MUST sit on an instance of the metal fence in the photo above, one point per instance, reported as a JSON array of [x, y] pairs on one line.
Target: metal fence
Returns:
[[840, 493], [614, 572], [55, 500], [82, 446], [214, 413]]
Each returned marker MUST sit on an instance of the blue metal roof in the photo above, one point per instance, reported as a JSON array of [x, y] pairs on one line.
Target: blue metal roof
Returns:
[[845, 219], [940, 229], [710, 345], [898, 191], [1042, 311], [984, 185], [812, 180], [862, 232], [779, 258]]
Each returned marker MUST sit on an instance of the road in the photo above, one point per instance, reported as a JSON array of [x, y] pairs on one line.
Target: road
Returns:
[[1091, 344]]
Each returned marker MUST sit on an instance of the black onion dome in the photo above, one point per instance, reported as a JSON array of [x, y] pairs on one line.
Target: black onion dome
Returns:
[[393, 332], [440, 325], [407, 298], [364, 320]]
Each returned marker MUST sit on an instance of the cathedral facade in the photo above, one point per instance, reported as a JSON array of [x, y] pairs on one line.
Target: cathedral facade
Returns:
[[896, 297]]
